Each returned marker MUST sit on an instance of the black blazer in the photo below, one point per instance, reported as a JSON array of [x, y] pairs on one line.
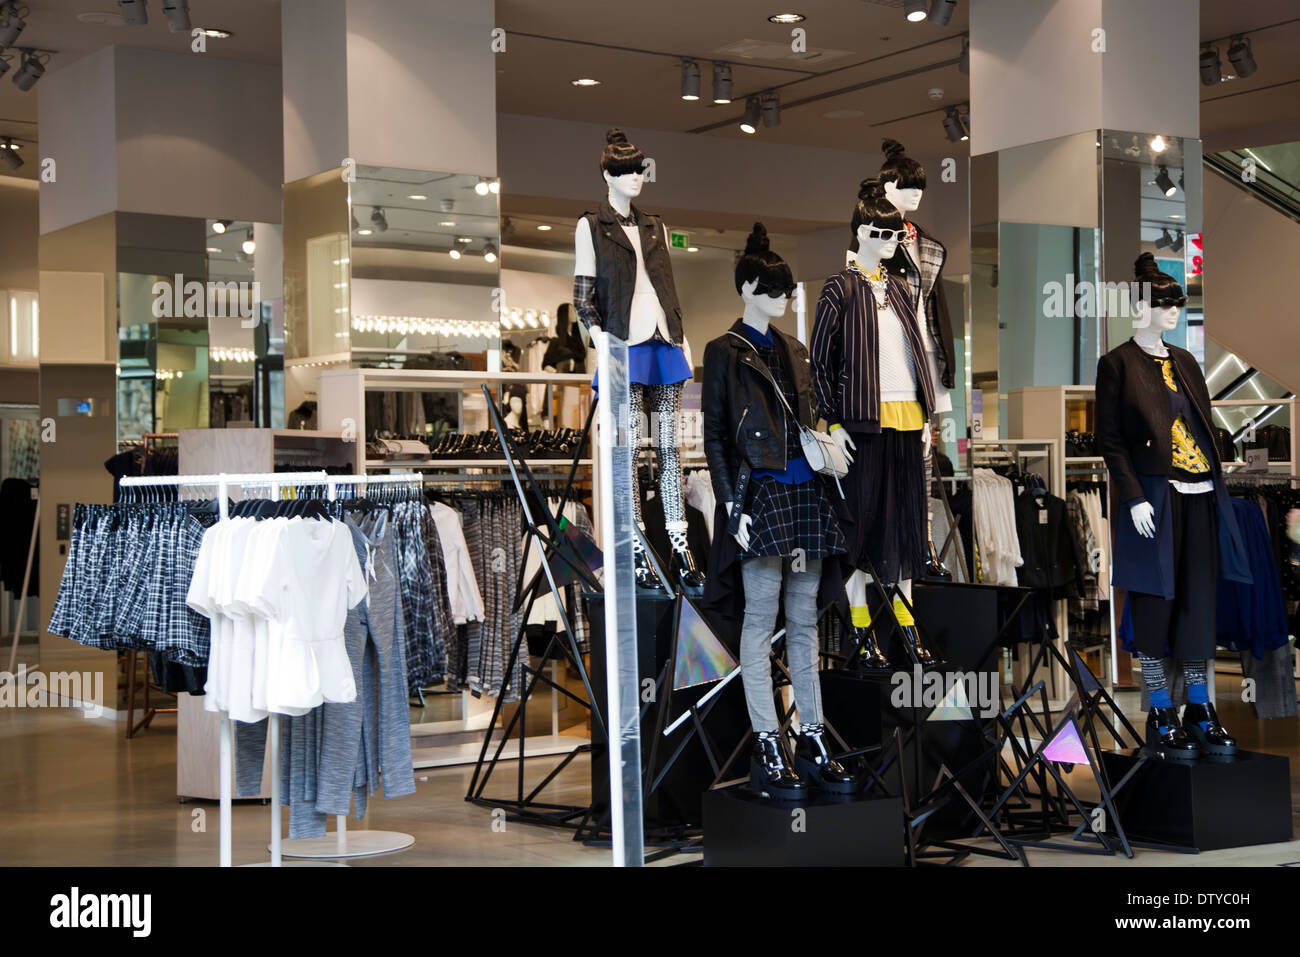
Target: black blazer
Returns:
[[744, 420], [1134, 420]]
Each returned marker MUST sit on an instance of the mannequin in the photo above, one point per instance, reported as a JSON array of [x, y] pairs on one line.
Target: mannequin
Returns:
[[919, 259], [514, 414], [1176, 531], [757, 388], [623, 286], [876, 397]]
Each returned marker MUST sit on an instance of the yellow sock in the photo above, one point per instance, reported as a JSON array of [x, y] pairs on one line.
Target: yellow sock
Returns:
[[902, 614], [860, 615]]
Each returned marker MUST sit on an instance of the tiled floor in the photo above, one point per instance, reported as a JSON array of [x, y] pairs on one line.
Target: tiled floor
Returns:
[[74, 791]]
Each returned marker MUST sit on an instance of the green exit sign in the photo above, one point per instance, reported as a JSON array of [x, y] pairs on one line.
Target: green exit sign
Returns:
[[679, 240]]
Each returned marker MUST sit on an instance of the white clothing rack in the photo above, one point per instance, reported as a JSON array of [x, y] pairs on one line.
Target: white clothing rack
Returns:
[[368, 842]]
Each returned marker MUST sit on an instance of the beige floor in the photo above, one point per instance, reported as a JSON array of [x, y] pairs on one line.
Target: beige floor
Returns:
[[73, 791]]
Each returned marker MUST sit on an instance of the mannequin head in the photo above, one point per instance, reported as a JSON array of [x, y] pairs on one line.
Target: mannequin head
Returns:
[[1160, 299], [623, 165], [877, 224], [763, 279], [904, 177]]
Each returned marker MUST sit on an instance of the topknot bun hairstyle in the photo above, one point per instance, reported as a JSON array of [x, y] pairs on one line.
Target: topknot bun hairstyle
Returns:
[[899, 168], [1163, 285], [873, 209], [619, 156], [759, 262]]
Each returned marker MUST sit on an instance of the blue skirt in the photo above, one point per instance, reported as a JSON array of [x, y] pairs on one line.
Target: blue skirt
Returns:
[[654, 362]]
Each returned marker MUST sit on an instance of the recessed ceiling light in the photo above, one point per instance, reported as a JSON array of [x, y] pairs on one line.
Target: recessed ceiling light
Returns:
[[217, 33], [1175, 215], [544, 227], [1158, 144], [692, 249], [417, 196], [464, 239], [364, 232], [447, 222], [214, 249], [786, 17], [585, 81]]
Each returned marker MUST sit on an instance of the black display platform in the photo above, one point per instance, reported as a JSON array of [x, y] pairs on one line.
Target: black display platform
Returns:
[[1207, 804], [743, 829]]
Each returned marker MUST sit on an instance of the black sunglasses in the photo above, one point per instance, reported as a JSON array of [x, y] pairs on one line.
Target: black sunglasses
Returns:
[[1179, 301], [774, 289], [886, 234]]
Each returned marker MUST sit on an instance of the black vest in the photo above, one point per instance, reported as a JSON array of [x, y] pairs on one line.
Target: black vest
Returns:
[[616, 270]]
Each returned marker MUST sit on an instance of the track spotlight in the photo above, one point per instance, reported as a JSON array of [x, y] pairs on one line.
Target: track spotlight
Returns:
[[482, 187], [177, 13], [494, 186], [1177, 246], [9, 157], [1165, 183], [690, 80], [248, 245], [772, 111], [915, 10], [941, 12], [11, 24], [490, 252], [721, 83], [963, 64], [454, 253], [1159, 144], [1165, 240], [1242, 56], [749, 124], [136, 12], [952, 125], [31, 71], [379, 220], [221, 225], [1211, 68]]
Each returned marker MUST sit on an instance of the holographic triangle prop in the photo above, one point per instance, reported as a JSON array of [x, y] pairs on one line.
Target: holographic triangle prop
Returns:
[[1066, 747], [1087, 680], [955, 705], [701, 657]]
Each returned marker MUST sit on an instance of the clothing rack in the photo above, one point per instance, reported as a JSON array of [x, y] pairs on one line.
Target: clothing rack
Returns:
[[275, 482]]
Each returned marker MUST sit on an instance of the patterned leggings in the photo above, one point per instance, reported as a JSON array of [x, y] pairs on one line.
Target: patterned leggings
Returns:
[[665, 403]]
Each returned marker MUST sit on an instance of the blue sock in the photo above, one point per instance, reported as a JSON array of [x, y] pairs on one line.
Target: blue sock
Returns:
[[1160, 698], [1198, 694]]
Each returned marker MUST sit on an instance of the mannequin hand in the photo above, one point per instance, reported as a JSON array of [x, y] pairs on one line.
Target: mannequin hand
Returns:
[[842, 442], [742, 533], [1144, 519]]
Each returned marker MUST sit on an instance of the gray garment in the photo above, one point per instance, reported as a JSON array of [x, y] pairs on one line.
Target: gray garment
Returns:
[[333, 757], [762, 579], [1274, 682]]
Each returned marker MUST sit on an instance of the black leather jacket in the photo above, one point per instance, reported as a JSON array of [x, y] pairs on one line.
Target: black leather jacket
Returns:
[[744, 420]]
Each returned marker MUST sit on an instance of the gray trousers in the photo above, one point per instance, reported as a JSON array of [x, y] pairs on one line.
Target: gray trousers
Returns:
[[762, 578]]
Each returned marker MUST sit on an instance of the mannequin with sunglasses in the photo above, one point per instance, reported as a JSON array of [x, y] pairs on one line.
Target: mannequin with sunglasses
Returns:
[[757, 391], [874, 389], [1176, 532], [623, 286], [919, 260]]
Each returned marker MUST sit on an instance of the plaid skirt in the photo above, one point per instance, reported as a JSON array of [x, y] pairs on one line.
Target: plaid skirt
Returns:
[[790, 517]]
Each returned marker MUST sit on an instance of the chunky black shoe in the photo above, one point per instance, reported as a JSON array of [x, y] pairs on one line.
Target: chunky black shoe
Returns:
[[685, 571], [645, 572], [1211, 739], [870, 657], [1173, 741], [770, 774], [916, 649], [816, 766]]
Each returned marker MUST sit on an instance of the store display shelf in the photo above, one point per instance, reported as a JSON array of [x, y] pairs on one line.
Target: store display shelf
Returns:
[[1084, 460], [388, 380], [464, 463]]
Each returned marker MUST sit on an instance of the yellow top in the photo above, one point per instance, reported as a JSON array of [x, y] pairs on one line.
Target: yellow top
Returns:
[[902, 416], [1188, 456]]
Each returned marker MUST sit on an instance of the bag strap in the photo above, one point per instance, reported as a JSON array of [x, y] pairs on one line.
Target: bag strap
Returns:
[[779, 394]]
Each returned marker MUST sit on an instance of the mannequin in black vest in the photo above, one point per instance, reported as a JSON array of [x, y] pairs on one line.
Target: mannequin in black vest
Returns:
[[623, 286]]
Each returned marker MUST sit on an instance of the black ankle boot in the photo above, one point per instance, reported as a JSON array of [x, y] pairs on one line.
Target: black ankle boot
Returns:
[[816, 766], [1172, 742], [1211, 739], [685, 571], [645, 572], [916, 649], [769, 772], [870, 657]]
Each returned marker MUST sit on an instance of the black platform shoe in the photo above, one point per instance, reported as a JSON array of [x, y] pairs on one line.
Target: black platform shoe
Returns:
[[1173, 742], [916, 649], [934, 568], [770, 774], [1212, 739], [645, 572], [816, 766], [870, 657], [685, 571]]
